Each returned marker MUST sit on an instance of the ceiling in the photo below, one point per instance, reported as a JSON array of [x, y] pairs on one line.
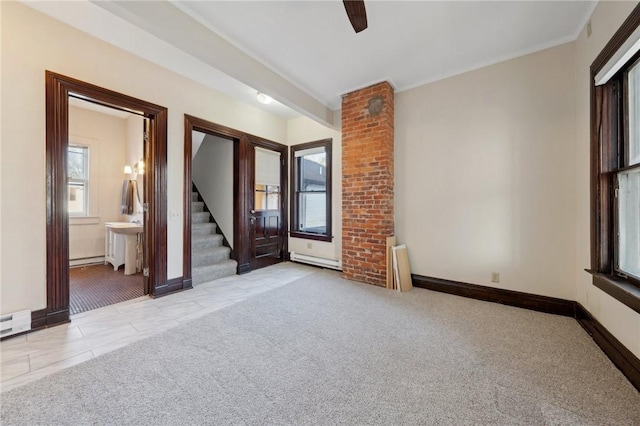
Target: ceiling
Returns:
[[407, 43], [305, 53]]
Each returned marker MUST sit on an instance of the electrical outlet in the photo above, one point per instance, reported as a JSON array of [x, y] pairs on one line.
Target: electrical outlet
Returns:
[[309, 246], [495, 277]]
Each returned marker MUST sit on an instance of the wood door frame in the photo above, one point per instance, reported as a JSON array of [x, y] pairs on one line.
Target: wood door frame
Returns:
[[58, 90], [241, 176]]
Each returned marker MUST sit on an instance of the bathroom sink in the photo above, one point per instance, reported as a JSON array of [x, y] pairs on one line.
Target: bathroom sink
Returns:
[[126, 228]]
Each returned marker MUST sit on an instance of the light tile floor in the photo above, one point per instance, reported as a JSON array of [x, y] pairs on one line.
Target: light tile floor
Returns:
[[90, 334]]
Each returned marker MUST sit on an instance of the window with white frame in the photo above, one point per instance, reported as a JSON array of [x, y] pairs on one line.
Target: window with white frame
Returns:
[[78, 180]]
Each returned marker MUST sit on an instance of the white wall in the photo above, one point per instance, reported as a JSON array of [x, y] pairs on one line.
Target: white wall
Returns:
[[485, 175], [621, 321], [212, 172], [196, 142], [33, 43], [302, 130], [105, 136]]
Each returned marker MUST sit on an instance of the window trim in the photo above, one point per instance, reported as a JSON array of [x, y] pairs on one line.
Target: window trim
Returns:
[[326, 144], [603, 174]]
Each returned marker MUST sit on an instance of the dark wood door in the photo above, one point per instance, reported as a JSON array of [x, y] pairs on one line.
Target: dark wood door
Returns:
[[267, 230]]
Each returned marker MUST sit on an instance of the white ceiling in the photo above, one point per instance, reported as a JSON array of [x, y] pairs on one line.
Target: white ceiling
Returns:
[[407, 43], [305, 53]]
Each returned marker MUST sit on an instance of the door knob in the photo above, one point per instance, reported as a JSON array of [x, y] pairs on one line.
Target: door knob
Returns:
[[252, 211], [253, 220]]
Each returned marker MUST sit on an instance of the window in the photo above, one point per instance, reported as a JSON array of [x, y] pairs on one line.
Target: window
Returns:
[[267, 180], [627, 196], [615, 165], [78, 180], [311, 191]]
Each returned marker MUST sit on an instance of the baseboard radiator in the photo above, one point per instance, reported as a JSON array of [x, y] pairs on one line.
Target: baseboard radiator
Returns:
[[86, 261], [316, 261], [14, 323]]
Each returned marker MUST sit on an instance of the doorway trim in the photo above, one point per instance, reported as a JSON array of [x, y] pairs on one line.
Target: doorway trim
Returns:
[[58, 89], [241, 184]]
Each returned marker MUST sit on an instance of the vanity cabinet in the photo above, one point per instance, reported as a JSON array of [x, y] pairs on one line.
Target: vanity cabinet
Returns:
[[121, 245]]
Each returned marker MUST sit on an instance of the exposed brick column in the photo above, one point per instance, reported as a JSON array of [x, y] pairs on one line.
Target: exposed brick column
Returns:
[[367, 182]]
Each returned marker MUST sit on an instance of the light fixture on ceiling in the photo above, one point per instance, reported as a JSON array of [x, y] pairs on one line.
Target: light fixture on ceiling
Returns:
[[264, 99]]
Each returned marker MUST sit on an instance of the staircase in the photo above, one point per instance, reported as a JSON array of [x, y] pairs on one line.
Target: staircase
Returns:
[[210, 259]]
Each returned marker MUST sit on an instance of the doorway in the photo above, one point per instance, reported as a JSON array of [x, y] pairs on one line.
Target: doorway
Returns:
[[259, 234], [105, 162], [58, 90]]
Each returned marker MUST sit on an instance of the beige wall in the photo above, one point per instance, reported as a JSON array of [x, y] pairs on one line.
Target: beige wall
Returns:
[[621, 321], [33, 43], [105, 136], [302, 130], [485, 175]]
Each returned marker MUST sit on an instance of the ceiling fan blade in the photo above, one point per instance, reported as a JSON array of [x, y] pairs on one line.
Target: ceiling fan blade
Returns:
[[357, 14]]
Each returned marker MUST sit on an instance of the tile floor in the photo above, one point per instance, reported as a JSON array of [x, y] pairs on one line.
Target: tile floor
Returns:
[[90, 334]]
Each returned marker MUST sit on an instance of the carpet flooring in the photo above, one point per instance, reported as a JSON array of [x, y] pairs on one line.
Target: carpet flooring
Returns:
[[95, 286], [323, 350]]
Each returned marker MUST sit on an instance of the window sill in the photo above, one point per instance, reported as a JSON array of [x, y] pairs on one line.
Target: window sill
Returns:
[[84, 220], [308, 236], [618, 288]]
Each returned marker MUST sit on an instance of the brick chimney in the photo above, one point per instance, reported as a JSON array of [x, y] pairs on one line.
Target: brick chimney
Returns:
[[367, 182]]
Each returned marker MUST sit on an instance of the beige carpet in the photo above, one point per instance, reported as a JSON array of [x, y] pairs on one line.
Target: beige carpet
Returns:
[[323, 350]]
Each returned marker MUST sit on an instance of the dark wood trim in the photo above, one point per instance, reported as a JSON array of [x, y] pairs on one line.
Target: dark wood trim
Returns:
[[327, 144], [171, 286], [58, 90], [309, 236], [550, 305], [621, 357], [241, 185], [186, 208], [607, 125], [241, 188], [38, 319], [618, 288], [626, 29]]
